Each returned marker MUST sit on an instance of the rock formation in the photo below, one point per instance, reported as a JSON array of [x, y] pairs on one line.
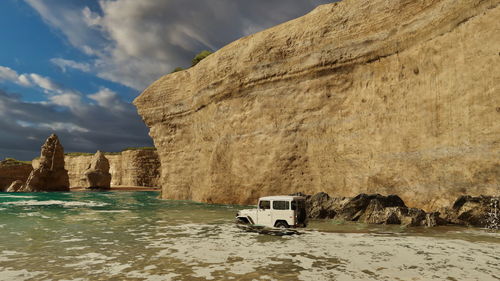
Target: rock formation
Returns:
[[471, 211], [50, 174], [371, 209], [13, 170], [140, 167], [385, 96], [15, 186], [97, 174]]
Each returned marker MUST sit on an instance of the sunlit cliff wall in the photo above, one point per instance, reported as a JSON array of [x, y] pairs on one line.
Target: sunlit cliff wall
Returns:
[[385, 96]]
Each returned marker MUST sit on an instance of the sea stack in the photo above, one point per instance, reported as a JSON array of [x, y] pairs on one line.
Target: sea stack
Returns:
[[382, 96], [97, 174], [50, 174]]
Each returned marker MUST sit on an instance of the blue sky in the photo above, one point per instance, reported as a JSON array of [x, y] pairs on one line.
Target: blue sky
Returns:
[[72, 67]]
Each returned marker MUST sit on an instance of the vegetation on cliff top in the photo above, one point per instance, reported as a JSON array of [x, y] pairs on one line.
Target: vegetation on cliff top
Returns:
[[199, 57], [140, 148], [13, 162], [74, 154]]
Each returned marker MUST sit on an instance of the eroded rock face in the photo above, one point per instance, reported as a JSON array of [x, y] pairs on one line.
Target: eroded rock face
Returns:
[[322, 206], [15, 186], [139, 167], [472, 211], [371, 209], [97, 174], [384, 96], [50, 174], [364, 205], [12, 170]]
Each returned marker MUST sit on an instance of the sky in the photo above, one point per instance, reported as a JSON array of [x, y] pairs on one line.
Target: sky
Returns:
[[73, 67]]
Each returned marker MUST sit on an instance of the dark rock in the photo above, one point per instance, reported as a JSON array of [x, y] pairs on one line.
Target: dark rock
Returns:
[[322, 206], [472, 211], [319, 206], [356, 207]]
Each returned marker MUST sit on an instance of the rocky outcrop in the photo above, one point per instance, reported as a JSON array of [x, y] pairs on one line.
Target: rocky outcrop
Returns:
[[371, 209], [322, 206], [97, 174], [139, 167], [384, 96], [50, 174], [15, 186], [481, 211], [12, 170]]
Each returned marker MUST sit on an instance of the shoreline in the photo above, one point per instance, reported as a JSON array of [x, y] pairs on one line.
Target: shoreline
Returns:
[[118, 188]]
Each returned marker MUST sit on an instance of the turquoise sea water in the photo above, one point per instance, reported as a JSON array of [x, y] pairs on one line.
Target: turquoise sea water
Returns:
[[135, 236]]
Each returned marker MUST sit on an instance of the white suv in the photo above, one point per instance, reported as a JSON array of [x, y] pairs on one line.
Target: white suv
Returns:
[[276, 211]]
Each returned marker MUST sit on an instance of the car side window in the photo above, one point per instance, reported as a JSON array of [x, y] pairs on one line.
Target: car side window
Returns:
[[281, 205], [294, 205], [266, 205]]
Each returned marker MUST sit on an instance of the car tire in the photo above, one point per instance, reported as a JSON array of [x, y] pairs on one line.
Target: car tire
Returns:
[[282, 224]]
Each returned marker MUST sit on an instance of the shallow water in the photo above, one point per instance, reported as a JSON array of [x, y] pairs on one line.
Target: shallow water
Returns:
[[134, 236]]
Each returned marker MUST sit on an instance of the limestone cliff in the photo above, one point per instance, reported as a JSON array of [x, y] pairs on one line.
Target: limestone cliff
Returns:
[[12, 170], [385, 96], [97, 174], [50, 174], [128, 168]]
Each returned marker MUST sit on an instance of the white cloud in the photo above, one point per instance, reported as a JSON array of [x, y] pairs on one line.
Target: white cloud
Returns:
[[31, 80], [134, 42], [45, 83], [106, 98], [67, 17], [8, 74], [69, 100], [61, 126], [81, 126], [24, 80], [65, 64]]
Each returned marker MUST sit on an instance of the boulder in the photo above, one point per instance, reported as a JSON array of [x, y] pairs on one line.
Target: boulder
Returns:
[[371, 209], [473, 211], [15, 186], [322, 206], [356, 207], [97, 174], [50, 174]]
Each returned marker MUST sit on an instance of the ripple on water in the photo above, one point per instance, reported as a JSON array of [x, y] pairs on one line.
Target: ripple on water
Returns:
[[136, 236], [55, 202]]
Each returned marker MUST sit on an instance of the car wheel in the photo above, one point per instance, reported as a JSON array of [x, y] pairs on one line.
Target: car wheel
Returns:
[[282, 224]]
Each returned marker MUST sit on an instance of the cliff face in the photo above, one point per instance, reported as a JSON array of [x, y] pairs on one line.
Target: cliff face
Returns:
[[11, 171], [130, 168], [387, 96]]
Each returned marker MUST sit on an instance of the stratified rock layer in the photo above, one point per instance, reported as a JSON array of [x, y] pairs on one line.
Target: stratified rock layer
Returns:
[[130, 168], [385, 96], [12, 170], [97, 174], [50, 174]]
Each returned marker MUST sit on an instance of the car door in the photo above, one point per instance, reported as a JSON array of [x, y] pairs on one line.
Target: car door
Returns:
[[264, 213], [281, 212]]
